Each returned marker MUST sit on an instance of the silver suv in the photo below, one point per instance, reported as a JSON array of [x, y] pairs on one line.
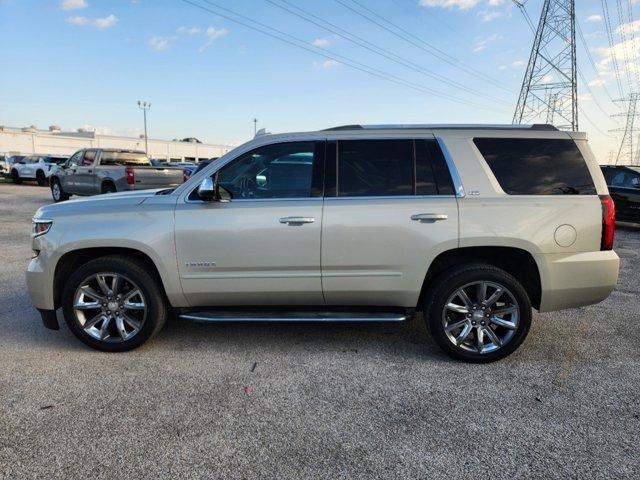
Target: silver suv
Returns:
[[471, 225]]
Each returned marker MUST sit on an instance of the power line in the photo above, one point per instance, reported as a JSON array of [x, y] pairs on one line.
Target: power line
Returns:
[[328, 54], [372, 47], [614, 61], [590, 57], [625, 49], [420, 43]]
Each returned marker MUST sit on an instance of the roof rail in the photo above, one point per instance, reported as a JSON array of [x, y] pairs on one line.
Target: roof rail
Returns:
[[536, 126]]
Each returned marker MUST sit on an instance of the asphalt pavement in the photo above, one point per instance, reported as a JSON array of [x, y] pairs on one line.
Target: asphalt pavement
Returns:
[[315, 401]]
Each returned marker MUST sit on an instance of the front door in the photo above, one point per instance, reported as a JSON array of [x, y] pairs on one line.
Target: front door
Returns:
[[394, 209], [261, 245], [84, 175], [68, 172]]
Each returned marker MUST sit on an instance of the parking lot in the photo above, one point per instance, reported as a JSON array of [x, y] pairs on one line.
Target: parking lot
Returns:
[[315, 401]]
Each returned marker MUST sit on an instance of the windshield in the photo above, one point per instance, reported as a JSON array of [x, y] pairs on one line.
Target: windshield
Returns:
[[124, 158]]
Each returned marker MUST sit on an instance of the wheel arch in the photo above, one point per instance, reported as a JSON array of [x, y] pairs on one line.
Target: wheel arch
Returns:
[[107, 181], [70, 261], [517, 262]]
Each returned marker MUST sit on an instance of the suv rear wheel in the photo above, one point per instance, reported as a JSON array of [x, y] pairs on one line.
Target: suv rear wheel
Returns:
[[41, 178], [113, 304], [15, 177], [477, 313]]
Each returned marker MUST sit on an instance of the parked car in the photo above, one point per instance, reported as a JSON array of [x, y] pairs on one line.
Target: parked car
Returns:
[[35, 167], [101, 170], [473, 226], [191, 168], [624, 185], [6, 162]]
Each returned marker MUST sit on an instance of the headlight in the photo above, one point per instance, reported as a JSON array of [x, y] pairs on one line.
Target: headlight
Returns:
[[40, 227]]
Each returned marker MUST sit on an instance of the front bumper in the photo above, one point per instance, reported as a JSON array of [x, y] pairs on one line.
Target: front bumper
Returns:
[[40, 284], [576, 279]]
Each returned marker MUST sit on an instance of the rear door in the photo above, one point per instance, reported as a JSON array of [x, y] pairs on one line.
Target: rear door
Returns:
[[390, 209]]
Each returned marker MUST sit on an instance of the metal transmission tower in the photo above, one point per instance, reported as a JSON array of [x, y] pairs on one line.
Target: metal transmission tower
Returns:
[[625, 152], [549, 89]]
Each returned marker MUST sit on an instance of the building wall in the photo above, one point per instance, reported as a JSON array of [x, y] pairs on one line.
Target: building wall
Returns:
[[15, 142]]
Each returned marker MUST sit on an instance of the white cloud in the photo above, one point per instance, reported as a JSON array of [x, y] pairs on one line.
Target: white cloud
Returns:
[[585, 97], [594, 18], [212, 34], [483, 42], [488, 15], [629, 27], [190, 30], [547, 79], [502, 67], [95, 22], [329, 63], [321, 42], [158, 43], [460, 4], [496, 3], [597, 82], [73, 4], [518, 63]]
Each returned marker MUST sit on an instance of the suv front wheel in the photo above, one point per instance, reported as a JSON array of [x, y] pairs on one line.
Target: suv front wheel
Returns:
[[114, 304], [477, 313]]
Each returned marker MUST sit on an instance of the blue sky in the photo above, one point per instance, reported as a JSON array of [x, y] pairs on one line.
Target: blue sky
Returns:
[[86, 62]]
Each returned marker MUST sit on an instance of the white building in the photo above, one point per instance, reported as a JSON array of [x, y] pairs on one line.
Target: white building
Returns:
[[29, 140]]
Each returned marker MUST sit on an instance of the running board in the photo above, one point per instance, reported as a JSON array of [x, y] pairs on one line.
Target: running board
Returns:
[[302, 316]]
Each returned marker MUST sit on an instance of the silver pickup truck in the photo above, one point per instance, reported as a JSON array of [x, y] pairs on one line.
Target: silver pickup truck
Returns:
[[106, 170]]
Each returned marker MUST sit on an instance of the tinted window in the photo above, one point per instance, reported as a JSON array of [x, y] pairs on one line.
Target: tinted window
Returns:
[[625, 179], [89, 157], [432, 173], [537, 166], [375, 168], [283, 170], [124, 158]]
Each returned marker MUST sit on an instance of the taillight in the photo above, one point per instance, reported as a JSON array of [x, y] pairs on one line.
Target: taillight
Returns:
[[131, 177], [608, 222]]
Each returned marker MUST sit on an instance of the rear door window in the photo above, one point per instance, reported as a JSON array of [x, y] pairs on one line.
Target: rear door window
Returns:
[[369, 168], [527, 166]]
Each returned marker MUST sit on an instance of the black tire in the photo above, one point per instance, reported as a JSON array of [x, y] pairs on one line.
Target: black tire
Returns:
[[15, 176], [108, 187], [41, 178], [57, 192], [446, 284], [157, 305]]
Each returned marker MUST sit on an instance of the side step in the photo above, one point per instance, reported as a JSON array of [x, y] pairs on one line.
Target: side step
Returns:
[[291, 316]]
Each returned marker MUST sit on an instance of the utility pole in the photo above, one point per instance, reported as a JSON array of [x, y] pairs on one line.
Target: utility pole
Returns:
[[145, 106], [625, 152], [255, 126], [549, 88]]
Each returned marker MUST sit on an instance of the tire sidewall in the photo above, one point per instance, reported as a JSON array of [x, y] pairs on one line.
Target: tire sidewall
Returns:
[[41, 178], [447, 283], [153, 299]]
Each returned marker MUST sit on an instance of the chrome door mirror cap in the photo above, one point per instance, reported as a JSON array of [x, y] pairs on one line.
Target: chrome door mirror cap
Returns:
[[207, 190]]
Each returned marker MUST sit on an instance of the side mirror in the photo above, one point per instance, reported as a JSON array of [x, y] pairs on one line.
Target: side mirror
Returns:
[[207, 189]]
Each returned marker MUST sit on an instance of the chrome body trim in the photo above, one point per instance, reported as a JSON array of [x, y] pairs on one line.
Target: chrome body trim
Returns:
[[455, 176], [328, 317]]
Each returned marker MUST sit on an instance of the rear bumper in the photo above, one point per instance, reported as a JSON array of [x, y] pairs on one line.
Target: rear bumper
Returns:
[[576, 279]]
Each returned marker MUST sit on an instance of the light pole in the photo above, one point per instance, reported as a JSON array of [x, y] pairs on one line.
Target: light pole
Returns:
[[145, 106], [255, 126]]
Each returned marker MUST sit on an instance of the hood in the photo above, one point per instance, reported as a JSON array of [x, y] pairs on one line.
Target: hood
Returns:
[[107, 202]]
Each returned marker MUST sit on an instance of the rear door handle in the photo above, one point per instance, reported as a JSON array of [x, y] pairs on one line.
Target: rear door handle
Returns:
[[297, 220], [429, 217]]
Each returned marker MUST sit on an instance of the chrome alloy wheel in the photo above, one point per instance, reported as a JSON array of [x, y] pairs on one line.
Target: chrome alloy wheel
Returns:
[[110, 307], [481, 317], [55, 190]]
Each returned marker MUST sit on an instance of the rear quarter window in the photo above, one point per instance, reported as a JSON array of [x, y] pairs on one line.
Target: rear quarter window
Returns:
[[527, 166]]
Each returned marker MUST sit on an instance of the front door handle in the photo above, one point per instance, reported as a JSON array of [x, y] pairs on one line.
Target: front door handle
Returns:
[[429, 217], [297, 220]]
